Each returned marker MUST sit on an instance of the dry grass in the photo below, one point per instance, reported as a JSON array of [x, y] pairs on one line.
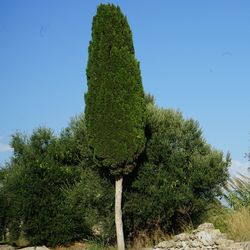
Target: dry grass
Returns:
[[238, 224], [146, 239]]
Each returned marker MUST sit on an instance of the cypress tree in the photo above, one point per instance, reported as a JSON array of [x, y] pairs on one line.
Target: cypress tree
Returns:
[[115, 102]]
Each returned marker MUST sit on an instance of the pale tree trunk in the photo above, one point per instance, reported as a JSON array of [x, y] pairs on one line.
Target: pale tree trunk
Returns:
[[118, 214]]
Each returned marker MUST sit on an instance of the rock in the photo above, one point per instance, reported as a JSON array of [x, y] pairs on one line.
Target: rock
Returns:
[[182, 237], [6, 247], [166, 244], [223, 242], [241, 245], [204, 237], [205, 226], [208, 237], [196, 243], [36, 248]]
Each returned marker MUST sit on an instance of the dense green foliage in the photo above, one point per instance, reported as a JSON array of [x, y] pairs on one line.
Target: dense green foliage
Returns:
[[54, 192], [33, 188], [91, 199], [180, 174], [115, 104]]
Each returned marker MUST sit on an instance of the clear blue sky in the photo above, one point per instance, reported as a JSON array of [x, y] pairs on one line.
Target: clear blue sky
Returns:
[[194, 55]]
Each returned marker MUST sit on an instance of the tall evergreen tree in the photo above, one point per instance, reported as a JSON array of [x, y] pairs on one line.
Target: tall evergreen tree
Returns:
[[115, 102]]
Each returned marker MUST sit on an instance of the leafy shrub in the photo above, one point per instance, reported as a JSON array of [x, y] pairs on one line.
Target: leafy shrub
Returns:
[[217, 214], [53, 191], [33, 189], [91, 200], [179, 175]]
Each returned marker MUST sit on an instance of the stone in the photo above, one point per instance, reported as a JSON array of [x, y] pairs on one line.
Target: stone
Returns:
[[241, 245], [196, 243], [6, 247], [182, 237], [205, 226], [205, 237], [36, 248], [223, 242], [166, 244]]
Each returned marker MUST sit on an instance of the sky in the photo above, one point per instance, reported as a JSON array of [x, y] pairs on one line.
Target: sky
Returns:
[[194, 57]]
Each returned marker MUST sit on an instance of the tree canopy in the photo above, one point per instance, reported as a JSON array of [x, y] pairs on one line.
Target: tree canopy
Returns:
[[178, 175], [115, 103]]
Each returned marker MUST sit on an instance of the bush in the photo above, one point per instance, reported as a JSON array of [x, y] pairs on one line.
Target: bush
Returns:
[[53, 193], [217, 214], [179, 175], [33, 189], [91, 200]]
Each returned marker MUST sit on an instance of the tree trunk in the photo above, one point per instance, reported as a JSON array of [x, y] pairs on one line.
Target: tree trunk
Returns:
[[118, 214]]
